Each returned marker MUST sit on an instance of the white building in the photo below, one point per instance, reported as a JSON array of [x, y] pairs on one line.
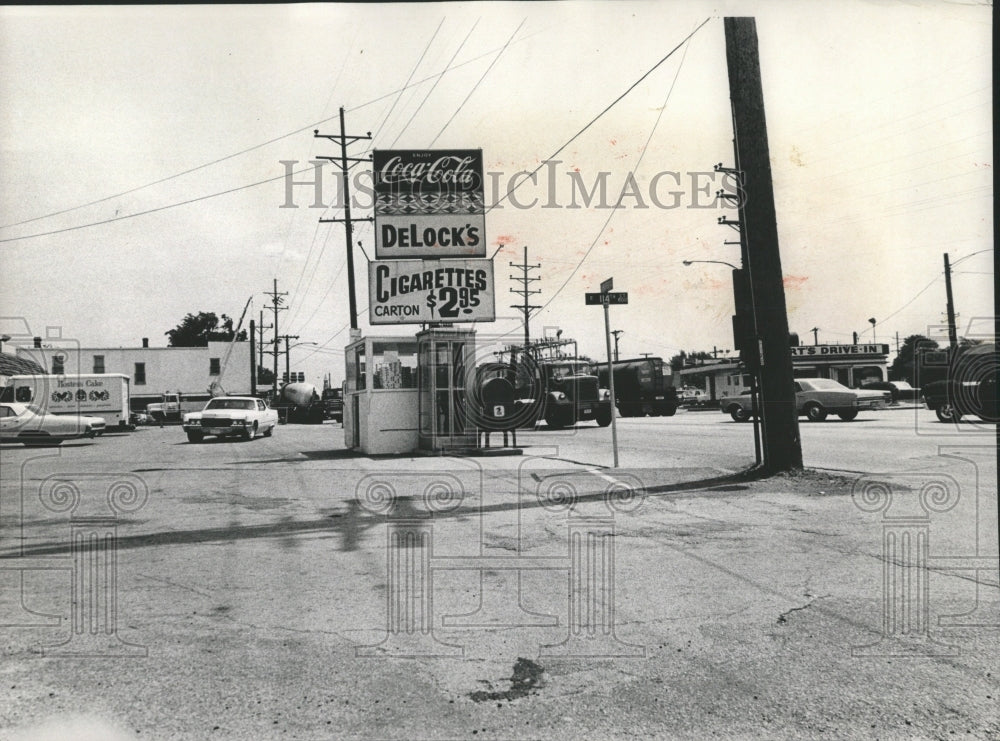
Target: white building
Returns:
[[153, 371]]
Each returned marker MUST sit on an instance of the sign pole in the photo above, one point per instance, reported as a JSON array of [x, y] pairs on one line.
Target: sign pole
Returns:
[[611, 380]]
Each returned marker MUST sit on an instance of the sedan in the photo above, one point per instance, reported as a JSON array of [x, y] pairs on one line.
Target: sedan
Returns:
[[898, 390], [30, 425], [815, 398], [231, 416]]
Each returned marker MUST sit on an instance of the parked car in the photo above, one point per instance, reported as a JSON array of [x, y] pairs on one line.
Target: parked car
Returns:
[[898, 390], [815, 398], [140, 418], [691, 395], [231, 416], [951, 400], [28, 424], [333, 404]]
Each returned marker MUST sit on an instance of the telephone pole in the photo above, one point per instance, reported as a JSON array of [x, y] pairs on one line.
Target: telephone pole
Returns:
[[525, 279], [616, 333], [260, 339], [288, 370], [781, 445], [276, 305], [952, 329], [344, 141]]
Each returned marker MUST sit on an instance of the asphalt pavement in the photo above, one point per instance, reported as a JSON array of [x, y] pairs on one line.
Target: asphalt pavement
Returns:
[[288, 588]]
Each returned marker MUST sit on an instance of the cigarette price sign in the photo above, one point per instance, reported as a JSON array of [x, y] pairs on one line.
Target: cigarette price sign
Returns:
[[419, 291], [597, 299]]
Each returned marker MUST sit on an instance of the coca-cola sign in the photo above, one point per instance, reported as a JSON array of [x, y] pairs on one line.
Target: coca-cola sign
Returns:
[[428, 171], [429, 203]]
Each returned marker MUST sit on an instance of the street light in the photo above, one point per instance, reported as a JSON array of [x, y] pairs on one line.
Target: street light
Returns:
[[872, 322], [717, 262], [3, 339]]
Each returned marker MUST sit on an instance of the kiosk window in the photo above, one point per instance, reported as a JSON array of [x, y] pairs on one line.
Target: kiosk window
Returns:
[[394, 365]]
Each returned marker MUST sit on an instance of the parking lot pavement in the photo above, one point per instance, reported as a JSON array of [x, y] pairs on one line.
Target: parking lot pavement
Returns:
[[285, 588]]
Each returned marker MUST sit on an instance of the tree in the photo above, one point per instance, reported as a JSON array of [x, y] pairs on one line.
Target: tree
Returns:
[[197, 330], [902, 368], [265, 376], [684, 359]]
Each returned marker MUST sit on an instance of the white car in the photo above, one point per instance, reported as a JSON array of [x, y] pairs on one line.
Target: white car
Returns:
[[231, 416], [27, 424]]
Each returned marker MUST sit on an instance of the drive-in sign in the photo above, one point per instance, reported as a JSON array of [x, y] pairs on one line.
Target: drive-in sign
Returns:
[[429, 203], [419, 291]]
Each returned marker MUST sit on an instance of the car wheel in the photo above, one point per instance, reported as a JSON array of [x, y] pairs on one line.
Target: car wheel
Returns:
[[947, 413], [739, 414], [251, 433], [195, 437], [269, 431], [848, 416], [815, 413]]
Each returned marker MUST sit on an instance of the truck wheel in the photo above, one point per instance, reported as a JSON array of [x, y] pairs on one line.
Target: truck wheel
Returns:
[[553, 419], [739, 414], [669, 411], [815, 413], [604, 418], [848, 415], [947, 413], [195, 437]]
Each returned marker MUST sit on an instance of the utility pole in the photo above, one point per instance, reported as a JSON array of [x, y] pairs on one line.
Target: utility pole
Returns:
[[815, 331], [253, 359], [276, 306], [525, 280], [288, 370], [782, 447], [897, 342], [344, 140], [952, 329], [260, 341], [616, 333]]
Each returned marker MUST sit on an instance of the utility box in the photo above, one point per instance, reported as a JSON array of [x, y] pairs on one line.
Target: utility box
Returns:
[[446, 358], [381, 395]]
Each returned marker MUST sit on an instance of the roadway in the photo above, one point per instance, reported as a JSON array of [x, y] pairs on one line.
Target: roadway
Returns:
[[275, 588]]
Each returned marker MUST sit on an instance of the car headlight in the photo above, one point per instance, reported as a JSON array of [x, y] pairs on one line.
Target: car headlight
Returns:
[[560, 395], [192, 421], [239, 422], [605, 394]]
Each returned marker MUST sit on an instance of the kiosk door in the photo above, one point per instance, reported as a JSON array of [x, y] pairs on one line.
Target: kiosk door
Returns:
[[443, 355]]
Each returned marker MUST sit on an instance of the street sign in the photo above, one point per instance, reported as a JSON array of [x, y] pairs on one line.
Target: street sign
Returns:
[[607, 285], [597, 299]]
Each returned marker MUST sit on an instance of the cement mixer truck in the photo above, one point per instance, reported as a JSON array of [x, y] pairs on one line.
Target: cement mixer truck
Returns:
[[300, 403]]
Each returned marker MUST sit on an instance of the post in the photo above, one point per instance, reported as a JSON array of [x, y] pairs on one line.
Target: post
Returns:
[[288, 370], [952, 329], [347, 224], [611, 378], [253, 359], [782, 447]]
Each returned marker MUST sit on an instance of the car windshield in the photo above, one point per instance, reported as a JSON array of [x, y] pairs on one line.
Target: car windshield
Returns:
[[821, 384], [231, 404]]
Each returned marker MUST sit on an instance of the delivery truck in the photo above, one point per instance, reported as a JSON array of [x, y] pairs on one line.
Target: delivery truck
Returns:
[[95, 395]]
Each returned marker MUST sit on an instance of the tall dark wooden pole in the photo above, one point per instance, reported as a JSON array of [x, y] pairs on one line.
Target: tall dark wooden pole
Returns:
[[782, 448]]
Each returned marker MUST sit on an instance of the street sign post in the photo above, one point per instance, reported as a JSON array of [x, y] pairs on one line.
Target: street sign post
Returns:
[[605, 298]]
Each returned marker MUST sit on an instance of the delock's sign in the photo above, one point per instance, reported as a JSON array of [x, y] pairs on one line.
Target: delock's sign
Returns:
[[429, 203], [838, 350], [418, 291]]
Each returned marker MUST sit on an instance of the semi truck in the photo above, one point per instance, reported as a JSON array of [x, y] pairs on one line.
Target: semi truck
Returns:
[[94, 395], [642, 387], [557, 385]]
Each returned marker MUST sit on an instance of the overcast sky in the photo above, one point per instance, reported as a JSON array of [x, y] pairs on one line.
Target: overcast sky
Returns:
[[141, 149]]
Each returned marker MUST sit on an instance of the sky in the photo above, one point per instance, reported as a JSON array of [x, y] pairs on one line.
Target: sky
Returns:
[[141, 152]]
